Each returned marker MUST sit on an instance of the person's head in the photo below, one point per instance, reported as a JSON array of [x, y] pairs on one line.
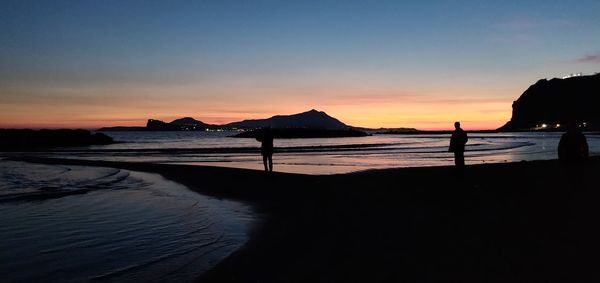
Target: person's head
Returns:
[[457, 125]]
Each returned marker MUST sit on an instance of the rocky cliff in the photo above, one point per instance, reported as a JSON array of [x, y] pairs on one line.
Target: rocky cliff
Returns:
[[551, 104]]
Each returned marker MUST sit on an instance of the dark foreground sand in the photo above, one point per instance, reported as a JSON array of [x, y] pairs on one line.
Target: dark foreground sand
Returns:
[[516, 222]]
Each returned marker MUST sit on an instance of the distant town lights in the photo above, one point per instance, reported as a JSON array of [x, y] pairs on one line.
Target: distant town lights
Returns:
[[544, 126], [573, 75]]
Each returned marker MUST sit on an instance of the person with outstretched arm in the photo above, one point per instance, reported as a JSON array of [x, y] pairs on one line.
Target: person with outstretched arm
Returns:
[[265, 137]]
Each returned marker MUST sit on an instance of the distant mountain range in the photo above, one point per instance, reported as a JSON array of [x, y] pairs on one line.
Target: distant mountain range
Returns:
[[312, 119], [191, 122], [183, 124], [547, 105], [552, 104]]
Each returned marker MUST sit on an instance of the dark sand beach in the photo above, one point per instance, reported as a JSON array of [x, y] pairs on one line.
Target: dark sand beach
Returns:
[[512, 222]]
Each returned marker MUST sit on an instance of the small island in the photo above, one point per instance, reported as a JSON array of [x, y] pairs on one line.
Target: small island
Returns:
[[20, 139], [309, 124]]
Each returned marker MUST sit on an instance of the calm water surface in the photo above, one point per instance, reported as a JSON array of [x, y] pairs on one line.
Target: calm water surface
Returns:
[[321, 156], [75, 223]]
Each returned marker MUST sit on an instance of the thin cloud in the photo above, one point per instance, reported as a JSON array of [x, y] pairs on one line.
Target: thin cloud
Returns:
[[408, 99], [517, 38], [523, 24], [367, 99], [527, 30], [589, 59]]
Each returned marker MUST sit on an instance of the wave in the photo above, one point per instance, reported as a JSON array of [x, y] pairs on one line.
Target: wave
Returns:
[[42, 194], [412, 147], [153, 231], [59, 181]]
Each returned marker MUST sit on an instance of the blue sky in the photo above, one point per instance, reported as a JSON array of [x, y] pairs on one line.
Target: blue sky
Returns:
[[389, 63]]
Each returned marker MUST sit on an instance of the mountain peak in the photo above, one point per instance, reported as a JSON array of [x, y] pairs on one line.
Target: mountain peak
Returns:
[[313, 112], [187, 121], [312, 119]]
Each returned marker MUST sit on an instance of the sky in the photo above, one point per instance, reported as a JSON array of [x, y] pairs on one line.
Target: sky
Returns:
[[420, 64]]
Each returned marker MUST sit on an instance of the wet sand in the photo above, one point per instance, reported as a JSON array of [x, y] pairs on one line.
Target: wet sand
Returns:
[[523, 222]]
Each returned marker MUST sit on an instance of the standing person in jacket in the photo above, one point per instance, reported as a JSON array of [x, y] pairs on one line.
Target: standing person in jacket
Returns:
[[457, 146]]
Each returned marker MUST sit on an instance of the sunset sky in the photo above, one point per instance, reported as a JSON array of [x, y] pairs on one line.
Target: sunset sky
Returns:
[[422, 64]]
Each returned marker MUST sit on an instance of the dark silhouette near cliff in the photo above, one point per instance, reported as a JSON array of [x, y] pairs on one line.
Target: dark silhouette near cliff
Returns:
[[573, 154], [573, 147], [266, 148], [457, 145]]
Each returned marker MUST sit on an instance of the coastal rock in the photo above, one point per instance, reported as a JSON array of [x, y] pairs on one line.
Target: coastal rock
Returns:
[[158, 125], [22, 139], [551, 104]]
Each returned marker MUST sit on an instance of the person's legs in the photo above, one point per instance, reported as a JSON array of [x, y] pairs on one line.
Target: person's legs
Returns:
[[459, 162], [270, 163], [265, 162], [459, 159]]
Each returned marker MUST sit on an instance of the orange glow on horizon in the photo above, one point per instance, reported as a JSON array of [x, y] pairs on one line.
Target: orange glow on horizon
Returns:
[[383, 117], [93, 108], [367, 118]]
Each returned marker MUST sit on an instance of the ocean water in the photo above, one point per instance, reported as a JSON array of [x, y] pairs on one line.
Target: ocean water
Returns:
[[79, 224], [320, 156]]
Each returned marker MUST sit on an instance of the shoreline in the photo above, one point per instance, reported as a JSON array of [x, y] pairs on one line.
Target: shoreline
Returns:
[[501, 222]]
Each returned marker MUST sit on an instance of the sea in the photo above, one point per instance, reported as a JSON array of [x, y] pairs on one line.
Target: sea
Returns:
[[320, 155], [63, 223]]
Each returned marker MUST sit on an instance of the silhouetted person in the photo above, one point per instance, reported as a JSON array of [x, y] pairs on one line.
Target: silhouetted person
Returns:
[[572, 155], [265, 137], [457, 145], [573, 147]]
